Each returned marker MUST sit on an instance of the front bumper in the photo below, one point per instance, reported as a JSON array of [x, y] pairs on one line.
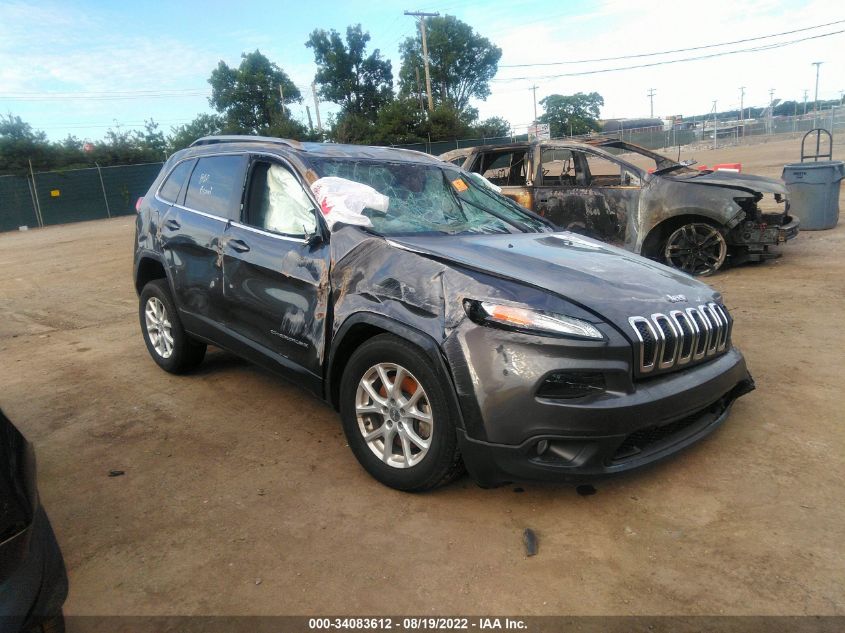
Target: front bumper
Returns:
[[755, 235], [511, 434]]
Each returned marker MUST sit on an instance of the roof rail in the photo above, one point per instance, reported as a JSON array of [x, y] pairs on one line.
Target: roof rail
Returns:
[[237, 138]]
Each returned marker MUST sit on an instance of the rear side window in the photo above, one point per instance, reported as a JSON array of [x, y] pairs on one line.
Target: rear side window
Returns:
[[503, 168], [173, 185], [216, 186]]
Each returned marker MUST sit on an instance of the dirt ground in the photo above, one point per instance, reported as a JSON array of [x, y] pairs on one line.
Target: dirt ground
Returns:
[[241, 497]]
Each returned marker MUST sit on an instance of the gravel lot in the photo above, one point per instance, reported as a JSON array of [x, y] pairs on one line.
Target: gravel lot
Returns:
[[241, 497]]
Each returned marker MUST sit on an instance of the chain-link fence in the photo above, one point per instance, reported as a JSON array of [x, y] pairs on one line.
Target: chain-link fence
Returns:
[[72, 195]]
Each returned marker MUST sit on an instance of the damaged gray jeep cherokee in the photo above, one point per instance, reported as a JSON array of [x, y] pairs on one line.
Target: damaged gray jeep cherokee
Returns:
[[451, 328]]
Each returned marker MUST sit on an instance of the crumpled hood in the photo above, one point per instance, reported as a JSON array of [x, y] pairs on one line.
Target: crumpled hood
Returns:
[[601, 278], [746, 182]]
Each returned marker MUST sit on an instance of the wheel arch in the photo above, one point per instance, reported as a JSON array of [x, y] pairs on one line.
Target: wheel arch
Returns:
[[664, 228], [150, 267], [361, 327]]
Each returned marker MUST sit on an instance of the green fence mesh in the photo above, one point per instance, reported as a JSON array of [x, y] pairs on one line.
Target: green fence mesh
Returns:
[[125, 184], [74, 195], [16, 206]]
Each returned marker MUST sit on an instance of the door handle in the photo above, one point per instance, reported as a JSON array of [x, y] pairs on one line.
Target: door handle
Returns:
[[238, 245], [173, 225]]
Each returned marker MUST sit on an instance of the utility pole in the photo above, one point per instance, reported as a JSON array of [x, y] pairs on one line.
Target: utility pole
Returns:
[[770, 122], [310, 122], [419, 89], [282, 97], [805, 101], [742, 109], [317, 108], [422, 16], [715, 124], [816, 100], [534, 90], [650, 93]]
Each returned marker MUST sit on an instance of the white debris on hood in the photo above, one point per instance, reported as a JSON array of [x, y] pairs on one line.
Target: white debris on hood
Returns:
[[483, 181], [343, 200]]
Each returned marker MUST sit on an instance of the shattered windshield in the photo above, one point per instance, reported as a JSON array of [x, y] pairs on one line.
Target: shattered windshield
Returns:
[[431, 199]]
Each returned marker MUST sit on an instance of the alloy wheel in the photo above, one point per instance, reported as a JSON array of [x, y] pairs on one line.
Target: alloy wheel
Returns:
[[394, 415], [158, 327], [697, 248]]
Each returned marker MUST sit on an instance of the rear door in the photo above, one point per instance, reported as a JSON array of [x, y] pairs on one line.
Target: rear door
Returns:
[[587, 193], [275, 272], [509, 169], [191, 234]]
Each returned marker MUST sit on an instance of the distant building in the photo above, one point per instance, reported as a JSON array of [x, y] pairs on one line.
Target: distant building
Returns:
[[647, 125]]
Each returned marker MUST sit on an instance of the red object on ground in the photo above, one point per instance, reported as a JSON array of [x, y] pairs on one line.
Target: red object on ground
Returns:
[[737, 167], [702, 167]]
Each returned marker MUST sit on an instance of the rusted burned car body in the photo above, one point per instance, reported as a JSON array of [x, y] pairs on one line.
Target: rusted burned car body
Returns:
[[589, 190], [659, 373]]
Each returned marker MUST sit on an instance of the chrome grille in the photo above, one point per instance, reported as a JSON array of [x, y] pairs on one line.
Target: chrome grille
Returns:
[[680, 337]]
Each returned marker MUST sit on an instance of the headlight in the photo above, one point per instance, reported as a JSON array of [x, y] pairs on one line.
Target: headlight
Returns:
[[527, 320]]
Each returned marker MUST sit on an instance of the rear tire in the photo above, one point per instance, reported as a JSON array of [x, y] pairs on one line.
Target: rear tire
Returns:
[[396, 416], [167, 342]]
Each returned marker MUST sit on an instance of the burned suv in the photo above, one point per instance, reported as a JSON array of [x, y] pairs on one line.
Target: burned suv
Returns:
[[450, 327], [693, 220]]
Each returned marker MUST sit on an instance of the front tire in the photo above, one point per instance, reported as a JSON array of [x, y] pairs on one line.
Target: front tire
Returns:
[[697, 248], [396, 416], [167, 342]]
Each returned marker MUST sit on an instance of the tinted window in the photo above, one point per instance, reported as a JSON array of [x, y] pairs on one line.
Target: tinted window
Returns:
[[173, 185], [216, 186], [278, 203]]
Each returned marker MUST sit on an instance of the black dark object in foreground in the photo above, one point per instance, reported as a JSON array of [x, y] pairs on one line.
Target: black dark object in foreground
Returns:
[[33, 582]]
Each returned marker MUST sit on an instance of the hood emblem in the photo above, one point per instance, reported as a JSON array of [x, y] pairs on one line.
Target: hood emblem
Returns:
[[675, 298]]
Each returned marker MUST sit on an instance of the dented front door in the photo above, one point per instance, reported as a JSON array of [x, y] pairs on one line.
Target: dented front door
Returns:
[[587, 193]]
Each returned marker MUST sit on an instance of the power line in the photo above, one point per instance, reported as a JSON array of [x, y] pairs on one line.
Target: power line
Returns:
[[677, 50], [670, 61]]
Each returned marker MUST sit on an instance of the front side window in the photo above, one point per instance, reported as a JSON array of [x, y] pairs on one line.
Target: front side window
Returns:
[[603, 172], [216, 186], [278, 203], [431, 199]]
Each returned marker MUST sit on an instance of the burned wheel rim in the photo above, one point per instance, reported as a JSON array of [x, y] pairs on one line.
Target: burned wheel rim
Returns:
[[697, 248], [158, 327], [394, 415]]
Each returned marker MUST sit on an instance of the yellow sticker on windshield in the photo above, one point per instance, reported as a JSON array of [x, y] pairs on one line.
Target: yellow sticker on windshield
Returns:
[[459, 184]]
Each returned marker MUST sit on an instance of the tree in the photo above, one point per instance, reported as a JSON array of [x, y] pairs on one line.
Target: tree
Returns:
[[360, 84], [461, 63], [203, 125], [494, 127], [19, 144], [400, 122], [248, 96], [569, 115]]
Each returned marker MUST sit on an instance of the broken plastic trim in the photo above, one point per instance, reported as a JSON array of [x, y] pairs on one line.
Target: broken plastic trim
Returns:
[[531, 321]]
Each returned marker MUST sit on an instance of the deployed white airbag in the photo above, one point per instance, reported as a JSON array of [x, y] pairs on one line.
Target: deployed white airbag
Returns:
[[343, 200]]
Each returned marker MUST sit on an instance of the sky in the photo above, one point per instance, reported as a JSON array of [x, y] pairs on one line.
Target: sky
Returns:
[[76, 67]]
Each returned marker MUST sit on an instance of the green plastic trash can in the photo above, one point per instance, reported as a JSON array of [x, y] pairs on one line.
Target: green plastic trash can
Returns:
[[814, 192]]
